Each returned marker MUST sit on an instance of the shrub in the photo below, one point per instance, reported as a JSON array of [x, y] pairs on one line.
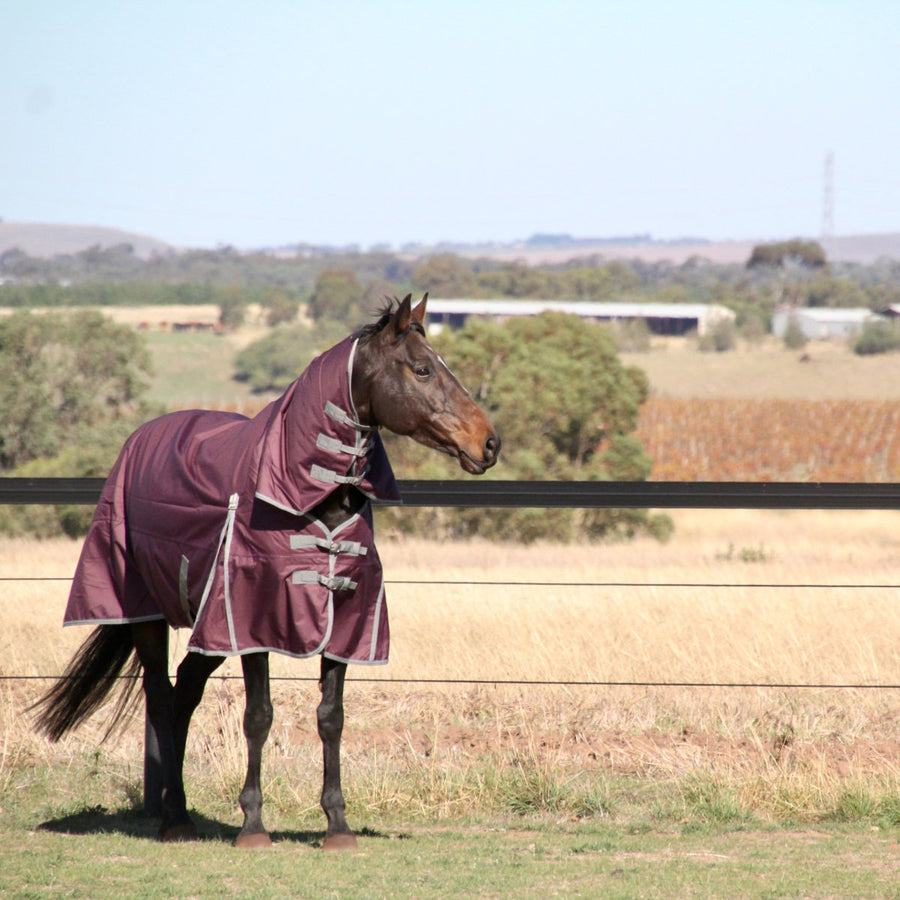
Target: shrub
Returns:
[[794, 335], [721, 337], [877, 336]]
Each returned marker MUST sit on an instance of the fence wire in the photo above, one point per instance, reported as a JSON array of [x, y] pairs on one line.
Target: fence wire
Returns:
[[569, 683], [587, 584]]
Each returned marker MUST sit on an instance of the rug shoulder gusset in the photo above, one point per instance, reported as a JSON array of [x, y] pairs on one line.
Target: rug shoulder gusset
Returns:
[[311, 440]]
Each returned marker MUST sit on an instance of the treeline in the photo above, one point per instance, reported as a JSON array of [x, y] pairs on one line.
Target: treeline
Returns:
[[794, 273], [223, 267]]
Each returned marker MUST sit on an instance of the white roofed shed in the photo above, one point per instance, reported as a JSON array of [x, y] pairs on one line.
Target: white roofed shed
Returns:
[[661, 318]]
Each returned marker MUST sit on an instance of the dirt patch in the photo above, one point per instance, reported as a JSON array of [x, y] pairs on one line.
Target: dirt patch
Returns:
[[641, 753]]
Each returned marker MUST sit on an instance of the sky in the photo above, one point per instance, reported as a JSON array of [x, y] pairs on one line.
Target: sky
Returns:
[[283, 121]]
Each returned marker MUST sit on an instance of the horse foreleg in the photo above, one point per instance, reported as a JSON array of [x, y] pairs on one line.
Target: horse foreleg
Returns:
[[151, 646], [330, 718], [257, 722]]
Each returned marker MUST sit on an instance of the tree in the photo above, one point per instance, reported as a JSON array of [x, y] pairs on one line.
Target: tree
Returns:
[[794, 336], [63, 378], [877, 336], [804, 253], [232, 308], [273, 362], [565, 407], [280, 305], [337, 296], [721, 337], [445, 275], [71, 391]]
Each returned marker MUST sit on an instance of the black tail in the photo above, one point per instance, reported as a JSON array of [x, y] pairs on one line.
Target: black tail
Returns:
[[88, 680]]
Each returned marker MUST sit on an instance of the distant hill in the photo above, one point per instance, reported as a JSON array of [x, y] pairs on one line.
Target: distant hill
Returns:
[[45, 241], [862, 248]]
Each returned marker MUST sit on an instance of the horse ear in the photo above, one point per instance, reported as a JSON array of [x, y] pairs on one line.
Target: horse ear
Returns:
[[403, 315], [418, 313]]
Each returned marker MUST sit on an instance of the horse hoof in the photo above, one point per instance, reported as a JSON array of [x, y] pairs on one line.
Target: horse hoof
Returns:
[[178, 833], [258, 841], [338, 842]]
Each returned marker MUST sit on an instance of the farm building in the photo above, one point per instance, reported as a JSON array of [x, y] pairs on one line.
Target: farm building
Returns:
[[661, 318], [820, 323]]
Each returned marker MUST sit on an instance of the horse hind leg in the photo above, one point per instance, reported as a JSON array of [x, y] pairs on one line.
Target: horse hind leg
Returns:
[[151, 646], [330, 718], [257, 722], [193, 673]]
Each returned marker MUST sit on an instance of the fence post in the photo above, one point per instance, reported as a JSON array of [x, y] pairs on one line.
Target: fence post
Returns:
[[153, 775]]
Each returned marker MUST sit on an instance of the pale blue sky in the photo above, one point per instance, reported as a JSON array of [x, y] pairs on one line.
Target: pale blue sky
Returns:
[[273, 122]]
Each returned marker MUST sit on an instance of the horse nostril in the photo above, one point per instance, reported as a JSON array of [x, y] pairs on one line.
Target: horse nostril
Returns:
[[492, 447]]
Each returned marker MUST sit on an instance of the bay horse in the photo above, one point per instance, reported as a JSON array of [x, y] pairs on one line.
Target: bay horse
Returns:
[[257, 535]]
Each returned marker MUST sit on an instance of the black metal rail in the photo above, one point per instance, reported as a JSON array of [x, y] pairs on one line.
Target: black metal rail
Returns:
[[547, 494]]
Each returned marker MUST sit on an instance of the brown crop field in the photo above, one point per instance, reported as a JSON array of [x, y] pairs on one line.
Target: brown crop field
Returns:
[[721, 439], [764, 413]]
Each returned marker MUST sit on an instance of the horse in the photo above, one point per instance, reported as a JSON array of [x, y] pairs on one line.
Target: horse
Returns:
[[257, 535]]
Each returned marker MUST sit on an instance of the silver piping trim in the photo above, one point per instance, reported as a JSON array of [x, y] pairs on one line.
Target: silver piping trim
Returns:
[[376, 621], [156, 617], [224, 538], [183, 587]]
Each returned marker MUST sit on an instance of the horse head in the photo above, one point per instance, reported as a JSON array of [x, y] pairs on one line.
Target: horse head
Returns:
[[402, 384]]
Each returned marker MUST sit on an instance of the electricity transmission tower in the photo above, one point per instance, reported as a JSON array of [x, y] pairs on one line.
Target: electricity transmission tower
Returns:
[[828, 201]]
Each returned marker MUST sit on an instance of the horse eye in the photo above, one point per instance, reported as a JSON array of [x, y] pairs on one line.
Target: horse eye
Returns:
[[422, 371]]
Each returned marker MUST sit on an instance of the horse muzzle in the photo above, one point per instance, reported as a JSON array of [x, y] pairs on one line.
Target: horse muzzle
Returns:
[[490, 453]]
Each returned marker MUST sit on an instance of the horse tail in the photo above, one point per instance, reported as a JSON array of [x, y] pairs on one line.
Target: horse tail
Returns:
[[104, 661]]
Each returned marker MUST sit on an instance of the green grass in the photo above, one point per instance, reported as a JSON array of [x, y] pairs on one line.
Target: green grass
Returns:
[[76, 830], [195, 369], [101, 856]]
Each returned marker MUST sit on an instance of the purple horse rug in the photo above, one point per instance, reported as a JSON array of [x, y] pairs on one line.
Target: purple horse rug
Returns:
[[206, 521]]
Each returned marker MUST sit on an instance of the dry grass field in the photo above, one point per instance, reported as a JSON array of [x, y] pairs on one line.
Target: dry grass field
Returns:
[[823, 370], [482, 612]]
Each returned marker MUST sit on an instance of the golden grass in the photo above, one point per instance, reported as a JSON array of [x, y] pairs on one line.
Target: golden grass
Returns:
[[823, 370], [785, 747]]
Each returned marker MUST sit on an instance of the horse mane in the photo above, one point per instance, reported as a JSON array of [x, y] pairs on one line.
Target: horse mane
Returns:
[[388, 308]]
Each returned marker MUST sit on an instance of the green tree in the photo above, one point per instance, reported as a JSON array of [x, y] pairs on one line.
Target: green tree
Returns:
[[877, 336], [803, 253], [566, 409], [232, 308], [281, 306], [794, 335], [337, 296], [273, 362], [63, 377], [445, 275], [721, 337], [71, 391]]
